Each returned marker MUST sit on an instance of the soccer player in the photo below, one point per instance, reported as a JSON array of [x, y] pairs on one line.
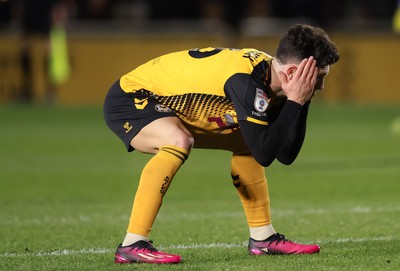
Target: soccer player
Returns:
[[240, 100]]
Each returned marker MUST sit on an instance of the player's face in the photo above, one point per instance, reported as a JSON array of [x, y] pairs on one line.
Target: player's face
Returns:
[[322, 73]]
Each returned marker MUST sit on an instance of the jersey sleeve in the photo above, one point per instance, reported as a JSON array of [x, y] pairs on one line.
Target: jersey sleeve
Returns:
[[249, 98], [265, 142]]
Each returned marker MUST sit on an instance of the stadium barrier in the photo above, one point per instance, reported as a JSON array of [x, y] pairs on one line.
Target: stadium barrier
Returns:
[[366, 73]]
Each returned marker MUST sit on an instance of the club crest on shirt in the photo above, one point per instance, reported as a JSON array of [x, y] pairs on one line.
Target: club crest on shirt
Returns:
[[260, 101], [162, 108]]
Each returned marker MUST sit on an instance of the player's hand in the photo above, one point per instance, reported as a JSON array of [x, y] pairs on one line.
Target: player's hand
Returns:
[[300, 88]]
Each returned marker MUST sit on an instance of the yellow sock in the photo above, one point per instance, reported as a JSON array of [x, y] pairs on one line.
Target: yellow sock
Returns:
[[154, 182], [250, 182]]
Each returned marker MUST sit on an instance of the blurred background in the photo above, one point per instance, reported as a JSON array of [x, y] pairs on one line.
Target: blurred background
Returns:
[[67, 183], [70, 51]]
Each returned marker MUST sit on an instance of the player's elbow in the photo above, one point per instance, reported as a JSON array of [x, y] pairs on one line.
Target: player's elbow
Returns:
[[286, 162], [286, 159], [264, 160]]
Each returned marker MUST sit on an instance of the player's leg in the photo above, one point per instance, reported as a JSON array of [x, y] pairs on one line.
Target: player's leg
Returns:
[[142, 127], [160, 132], [170, 143], [249, 179], [232, 142]]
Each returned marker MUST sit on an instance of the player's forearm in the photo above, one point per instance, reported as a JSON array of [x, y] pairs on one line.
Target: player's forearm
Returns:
[[265, 142], [289, 151]]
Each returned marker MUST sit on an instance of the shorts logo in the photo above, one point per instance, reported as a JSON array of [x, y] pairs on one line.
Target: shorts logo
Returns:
[[261, 101], [141, 103], [127, 126], [162, 108]]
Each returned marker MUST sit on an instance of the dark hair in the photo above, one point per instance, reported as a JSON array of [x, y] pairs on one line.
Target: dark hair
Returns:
[[302, 41]]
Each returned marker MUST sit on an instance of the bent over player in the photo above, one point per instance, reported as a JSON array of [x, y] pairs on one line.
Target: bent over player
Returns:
[[240, 100]]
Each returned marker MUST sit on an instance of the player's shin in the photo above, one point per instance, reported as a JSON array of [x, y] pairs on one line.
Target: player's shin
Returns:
[[154, 182], [248, 177]]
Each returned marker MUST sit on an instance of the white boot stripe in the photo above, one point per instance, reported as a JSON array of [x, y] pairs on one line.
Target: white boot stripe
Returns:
[[155, 255], [146, 256], [151, 256]]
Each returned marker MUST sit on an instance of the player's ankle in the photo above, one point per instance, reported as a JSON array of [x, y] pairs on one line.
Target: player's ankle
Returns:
[[131, 238], [261, 233]]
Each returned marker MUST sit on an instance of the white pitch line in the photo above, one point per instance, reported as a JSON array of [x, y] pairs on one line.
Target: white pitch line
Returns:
[[63, 252], [66, 252], [198, 216]]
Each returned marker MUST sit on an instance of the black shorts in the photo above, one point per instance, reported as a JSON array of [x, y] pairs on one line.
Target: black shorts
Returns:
[[127, 113]]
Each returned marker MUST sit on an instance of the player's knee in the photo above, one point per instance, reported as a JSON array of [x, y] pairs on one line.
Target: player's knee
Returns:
[[184, 141]]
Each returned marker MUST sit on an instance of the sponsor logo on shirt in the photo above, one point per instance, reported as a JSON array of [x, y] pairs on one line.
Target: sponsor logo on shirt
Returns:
[[258, 114]]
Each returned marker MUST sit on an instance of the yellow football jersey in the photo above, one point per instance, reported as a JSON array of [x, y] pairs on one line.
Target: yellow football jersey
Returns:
[[209, 89]]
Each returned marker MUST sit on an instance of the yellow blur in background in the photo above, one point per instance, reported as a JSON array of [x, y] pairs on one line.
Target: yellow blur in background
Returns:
[[366, 73]]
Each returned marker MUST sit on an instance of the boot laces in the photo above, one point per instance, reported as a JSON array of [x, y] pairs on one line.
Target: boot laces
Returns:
[[144, 245], [277, 238]]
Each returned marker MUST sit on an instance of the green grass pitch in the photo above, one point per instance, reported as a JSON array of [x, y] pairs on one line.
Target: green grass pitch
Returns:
[[67, 185]]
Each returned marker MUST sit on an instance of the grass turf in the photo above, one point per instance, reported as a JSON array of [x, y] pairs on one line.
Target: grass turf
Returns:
[[67, 184]]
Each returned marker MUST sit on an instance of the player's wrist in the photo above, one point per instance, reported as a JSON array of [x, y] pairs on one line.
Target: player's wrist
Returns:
[[296, 100], [295, 106]]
